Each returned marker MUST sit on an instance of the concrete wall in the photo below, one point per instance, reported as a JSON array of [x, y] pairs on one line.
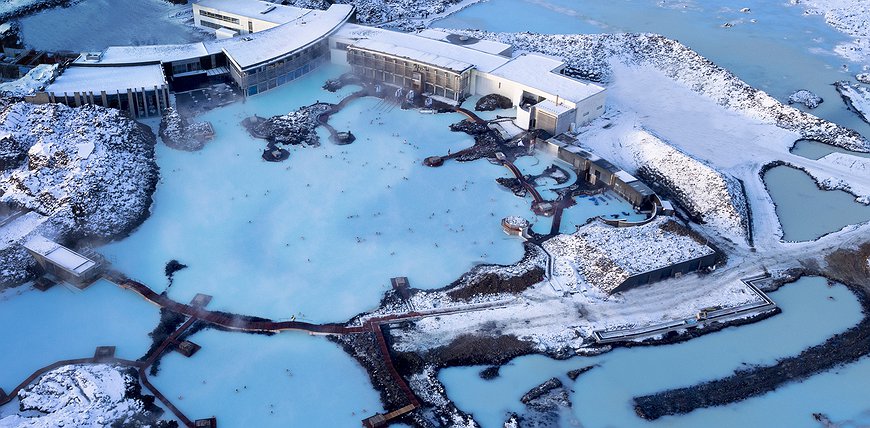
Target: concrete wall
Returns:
[[590, 108], [667, 272]]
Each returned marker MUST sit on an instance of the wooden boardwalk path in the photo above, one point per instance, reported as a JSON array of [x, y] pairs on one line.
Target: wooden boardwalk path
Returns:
[[241, 323], [519, 175]]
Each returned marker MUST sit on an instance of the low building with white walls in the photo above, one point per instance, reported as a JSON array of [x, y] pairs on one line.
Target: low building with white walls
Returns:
[[230, 18], [450, 67], [140, 90]]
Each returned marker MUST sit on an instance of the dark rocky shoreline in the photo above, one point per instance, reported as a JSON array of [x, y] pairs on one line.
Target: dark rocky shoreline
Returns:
[[845, 266]]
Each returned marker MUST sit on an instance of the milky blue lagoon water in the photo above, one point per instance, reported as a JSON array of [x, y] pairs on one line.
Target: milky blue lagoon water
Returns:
[[66, 323], [807, 212], [601, 397], [250, 380]]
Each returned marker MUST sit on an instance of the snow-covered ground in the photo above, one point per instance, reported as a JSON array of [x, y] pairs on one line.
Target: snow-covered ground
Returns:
[[604, 256], [35, 80], [607, 55], [12, 8], [709, 195], [558, 323], [851, 17], [805, 97], [857, 97], [90, 170], [95, 395]]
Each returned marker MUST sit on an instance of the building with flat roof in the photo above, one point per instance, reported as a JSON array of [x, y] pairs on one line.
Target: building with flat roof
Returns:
[[264, 60], [62, 262], [141, 90], [294, 43], [450, 67], [597, 170], [230, 18]]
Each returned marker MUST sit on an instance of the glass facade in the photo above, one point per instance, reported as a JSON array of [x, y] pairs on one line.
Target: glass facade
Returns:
[[219, 17], [280, 71], [409, 74]]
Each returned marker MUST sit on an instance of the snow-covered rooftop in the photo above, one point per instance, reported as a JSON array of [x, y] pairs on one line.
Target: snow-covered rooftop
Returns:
[[625, 177], [256, 9], [488, 46], [536, 71], [107, 78], [414, 55], [553, 108], [59, 255], [482, 61], [257, 48], [147, 54]]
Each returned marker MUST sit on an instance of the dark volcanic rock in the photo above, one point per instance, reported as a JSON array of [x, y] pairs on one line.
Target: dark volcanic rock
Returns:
[[179, 133], [493, 102], [574, 374], [171, 267], [492, 283], [540, 390], [489, 373], [12, 152], [296, 127], [842, 348]]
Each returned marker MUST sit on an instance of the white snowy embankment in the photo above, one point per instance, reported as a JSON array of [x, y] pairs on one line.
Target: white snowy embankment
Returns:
[[594, 55], [828, 181], [35, 80], [400, 14], [850, 17], [89, 170], [13, 8], [709, 195], [605, 256], [856, 97], [81, 396]]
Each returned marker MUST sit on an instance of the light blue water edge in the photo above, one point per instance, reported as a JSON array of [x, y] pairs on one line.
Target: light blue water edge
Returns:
[[815, 150], [66, 323], [812, 311], [783, 51], [806, 212]]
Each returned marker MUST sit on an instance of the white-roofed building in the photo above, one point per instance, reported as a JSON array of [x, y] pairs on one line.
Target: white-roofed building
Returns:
[[62, 262], [425, 65], [440, 64], [140, 90], [264, 60], [243, 16], [487, 46], [545, 98]]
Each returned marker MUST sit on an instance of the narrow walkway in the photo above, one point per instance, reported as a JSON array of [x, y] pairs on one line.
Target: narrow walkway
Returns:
[[323, 118], [519, 175], [470, 114]]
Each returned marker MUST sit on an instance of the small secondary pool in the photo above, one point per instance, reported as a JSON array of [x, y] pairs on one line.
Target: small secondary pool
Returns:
[[807, 212]]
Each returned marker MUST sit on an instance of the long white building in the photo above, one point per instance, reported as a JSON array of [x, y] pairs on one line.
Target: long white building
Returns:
[[263, 45]]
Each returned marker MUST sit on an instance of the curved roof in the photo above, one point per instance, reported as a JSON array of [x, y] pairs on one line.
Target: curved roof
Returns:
[[258, 48], [246, 51]]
